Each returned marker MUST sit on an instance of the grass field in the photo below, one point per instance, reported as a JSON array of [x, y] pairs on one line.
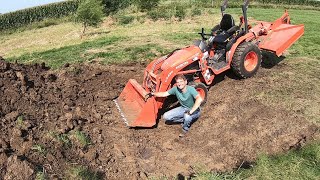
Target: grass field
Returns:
[[144, 39], [137, 41]]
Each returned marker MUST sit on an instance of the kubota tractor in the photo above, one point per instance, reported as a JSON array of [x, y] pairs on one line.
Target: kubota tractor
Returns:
[[227, 46]]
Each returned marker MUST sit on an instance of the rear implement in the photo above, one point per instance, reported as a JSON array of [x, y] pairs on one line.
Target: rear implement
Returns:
[[279, 35]]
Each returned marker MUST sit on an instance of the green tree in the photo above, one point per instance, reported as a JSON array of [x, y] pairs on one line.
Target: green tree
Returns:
[[89, 13]]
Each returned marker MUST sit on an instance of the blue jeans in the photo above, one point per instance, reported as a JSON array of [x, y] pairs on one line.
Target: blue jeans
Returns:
[[178, 115]]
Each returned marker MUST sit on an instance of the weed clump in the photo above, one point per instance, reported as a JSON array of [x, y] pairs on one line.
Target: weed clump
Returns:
[[196, 12], [47, 22], [147, 5], [176, 10], [62, 138], [40, 176], [160, 13], [180, 12], [39, 148], [20, 121], [123, 19], [81, 172], [81, 138]]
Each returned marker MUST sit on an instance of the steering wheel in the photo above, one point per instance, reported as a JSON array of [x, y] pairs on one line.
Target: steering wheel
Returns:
[[203, 34]]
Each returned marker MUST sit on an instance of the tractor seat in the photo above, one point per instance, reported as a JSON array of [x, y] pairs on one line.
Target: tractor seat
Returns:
[[226, 22], [225, 29]]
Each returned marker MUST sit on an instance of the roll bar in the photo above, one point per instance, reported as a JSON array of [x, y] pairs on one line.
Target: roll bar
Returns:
[[244, 12], [224, 6], [245, 5]]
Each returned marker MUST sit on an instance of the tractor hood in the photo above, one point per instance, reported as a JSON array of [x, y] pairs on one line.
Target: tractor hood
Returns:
[[180, 57]]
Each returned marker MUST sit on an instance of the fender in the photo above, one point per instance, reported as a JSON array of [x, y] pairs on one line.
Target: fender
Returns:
[[248, 37]]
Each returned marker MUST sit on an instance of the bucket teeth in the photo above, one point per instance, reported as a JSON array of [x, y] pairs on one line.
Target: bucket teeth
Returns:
[[121, 112]]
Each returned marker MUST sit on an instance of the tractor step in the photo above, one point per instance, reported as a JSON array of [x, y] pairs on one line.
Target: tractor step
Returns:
[[218, 65]]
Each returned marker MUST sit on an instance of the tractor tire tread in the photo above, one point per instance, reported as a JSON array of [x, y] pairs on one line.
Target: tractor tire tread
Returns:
[[237, 60]]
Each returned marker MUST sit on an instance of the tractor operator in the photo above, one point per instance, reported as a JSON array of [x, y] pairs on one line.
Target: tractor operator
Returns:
[[189, 99]]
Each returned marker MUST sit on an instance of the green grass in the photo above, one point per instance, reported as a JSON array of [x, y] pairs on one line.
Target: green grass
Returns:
[[62, 138], [181, 37], [136, 53], [83, 139], [39, 148], [296, 164], [102, 49], [68, 54], [41, 176], [20, 121], [38, 25], [83, 173], [123, 19], [68, 139], [201, 174]]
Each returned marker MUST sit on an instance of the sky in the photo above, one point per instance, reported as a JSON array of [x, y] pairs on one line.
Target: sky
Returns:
[[13, 5]]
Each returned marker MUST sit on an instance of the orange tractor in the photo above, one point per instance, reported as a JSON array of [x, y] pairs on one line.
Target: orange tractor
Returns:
[[227, 46]]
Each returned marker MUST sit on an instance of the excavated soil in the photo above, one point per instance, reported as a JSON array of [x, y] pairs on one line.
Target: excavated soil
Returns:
[[40, 108]]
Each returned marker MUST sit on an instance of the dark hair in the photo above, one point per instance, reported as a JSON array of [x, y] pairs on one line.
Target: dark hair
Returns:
[[180, 76]]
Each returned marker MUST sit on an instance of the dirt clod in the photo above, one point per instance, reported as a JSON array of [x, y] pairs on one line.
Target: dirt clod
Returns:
[[12, 116], [3, 145], [91, 155], [18, 169], [3, 159], [19, 141], [4, 66]]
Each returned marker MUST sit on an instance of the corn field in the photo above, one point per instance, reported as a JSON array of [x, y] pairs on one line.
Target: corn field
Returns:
[[27, 16]]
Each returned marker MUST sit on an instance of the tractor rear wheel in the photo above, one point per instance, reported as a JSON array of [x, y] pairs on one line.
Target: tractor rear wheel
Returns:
[[246, 60], [202, 90]]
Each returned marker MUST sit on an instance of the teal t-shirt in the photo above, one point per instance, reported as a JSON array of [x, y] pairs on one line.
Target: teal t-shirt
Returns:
[[187, 98]]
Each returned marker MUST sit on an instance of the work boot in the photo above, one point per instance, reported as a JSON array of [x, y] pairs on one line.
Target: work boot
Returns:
[[182, 133]]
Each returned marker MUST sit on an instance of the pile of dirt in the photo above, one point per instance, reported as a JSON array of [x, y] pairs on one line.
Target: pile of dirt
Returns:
[[41, 112]]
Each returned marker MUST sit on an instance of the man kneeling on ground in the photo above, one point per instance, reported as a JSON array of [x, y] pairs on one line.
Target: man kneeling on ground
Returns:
[[189, 99]]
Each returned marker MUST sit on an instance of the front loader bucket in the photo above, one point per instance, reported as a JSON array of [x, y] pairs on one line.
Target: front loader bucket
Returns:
[[135, 111], [281, 38]]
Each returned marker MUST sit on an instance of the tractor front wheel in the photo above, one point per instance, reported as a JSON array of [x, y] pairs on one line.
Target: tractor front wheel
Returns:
[[246, 60], [202, 90]]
